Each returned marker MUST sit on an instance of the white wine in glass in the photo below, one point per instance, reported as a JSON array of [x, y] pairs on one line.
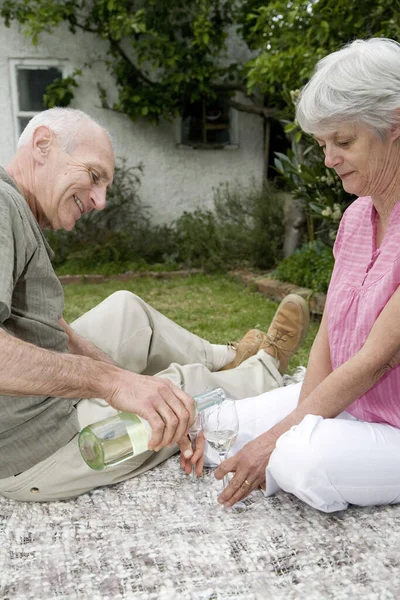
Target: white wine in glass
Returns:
[[193, 433], [220, 428]]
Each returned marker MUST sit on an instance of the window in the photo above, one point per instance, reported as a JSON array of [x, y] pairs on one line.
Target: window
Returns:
[[208, 124], [29, 79]]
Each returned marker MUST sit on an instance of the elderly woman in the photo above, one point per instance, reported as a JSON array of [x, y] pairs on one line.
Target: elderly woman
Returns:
[[335, 439]]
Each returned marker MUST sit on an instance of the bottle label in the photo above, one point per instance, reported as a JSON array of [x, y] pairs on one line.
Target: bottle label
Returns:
[[139, 432]]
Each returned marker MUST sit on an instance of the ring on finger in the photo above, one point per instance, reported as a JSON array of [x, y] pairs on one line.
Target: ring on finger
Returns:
[[245, 482]]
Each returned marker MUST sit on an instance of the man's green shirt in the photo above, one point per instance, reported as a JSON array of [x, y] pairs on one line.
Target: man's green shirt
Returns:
[[31, 304]]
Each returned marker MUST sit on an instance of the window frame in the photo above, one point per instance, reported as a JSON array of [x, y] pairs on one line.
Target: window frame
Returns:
[[233, 133], [34, 64]]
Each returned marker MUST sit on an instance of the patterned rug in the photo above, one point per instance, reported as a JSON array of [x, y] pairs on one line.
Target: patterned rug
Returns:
[[162, 537]]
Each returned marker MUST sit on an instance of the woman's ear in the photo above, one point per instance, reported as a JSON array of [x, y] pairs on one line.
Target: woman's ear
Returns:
[[42, 140]]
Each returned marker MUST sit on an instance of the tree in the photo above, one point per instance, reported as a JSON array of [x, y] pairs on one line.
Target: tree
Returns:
[[290, 36], [164, 54], [161, 54]]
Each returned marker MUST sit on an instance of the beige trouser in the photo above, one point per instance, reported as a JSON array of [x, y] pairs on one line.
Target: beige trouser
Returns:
[[142, 340]]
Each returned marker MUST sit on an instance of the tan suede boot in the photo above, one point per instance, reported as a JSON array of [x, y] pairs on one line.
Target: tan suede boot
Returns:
[[248, 346], [284, 336], [287, 330]]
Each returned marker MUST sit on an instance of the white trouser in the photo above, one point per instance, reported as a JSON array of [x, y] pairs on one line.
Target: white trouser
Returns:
[[142, 340], [327, 463]]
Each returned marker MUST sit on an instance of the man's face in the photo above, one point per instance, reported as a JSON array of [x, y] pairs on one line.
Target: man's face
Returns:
[[72, 185]]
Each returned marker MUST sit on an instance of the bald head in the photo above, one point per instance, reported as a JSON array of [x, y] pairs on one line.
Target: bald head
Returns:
[[69, 125]]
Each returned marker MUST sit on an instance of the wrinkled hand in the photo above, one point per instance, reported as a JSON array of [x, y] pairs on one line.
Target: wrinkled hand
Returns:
[[249, 466], [189, 458], [169, 410]]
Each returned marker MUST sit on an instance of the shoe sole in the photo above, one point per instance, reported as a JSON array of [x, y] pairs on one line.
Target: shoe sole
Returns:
[[303, 305]]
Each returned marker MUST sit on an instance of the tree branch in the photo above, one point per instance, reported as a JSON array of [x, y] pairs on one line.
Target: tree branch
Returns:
[[74, 23], [230, 87], [253, 109], [117, 48]]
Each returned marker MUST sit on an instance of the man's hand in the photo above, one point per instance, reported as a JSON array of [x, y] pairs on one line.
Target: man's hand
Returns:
[[249, 466], [168, 409], [189, 458]]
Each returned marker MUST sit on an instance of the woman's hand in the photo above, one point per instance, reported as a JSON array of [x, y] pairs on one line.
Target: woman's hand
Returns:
[[189, 458], [249, 466]]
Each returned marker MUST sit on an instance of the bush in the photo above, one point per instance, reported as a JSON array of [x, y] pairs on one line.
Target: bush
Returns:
[[310, 266], [246, 228]]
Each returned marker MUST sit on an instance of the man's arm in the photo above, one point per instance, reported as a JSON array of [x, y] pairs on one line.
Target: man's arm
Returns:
[[78, 345], [27, 370]]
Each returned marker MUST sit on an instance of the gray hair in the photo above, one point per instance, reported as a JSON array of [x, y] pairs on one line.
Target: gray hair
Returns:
[[360, 82], [66, 123]]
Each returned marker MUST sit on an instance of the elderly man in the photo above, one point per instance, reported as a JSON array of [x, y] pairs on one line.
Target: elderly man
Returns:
[[55, 378]]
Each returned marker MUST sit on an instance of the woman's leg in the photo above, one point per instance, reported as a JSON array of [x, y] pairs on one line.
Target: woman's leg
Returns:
[[331, 463]]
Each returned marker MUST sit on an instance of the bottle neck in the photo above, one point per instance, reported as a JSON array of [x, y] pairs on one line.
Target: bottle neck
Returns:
[[208, 399]]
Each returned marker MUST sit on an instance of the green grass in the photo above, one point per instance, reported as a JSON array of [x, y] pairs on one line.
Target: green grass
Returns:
[[212, 306]]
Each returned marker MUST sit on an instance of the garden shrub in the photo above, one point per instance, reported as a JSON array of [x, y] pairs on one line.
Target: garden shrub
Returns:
[[310, 266], [245, 228]]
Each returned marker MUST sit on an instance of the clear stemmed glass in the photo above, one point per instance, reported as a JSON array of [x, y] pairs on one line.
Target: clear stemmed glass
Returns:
[[220, 426], [193, 433]]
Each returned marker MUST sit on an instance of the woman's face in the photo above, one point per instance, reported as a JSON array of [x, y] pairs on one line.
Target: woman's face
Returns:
[[367, 164]]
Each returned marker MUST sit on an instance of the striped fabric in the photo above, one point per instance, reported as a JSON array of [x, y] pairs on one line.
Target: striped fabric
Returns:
[[363, 280]]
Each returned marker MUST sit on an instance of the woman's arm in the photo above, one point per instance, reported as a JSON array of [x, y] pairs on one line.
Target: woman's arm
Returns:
[[319, 363]]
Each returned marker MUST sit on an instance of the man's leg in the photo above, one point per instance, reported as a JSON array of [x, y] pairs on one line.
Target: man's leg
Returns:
[[141, 339], [65, 475], [138, 337]]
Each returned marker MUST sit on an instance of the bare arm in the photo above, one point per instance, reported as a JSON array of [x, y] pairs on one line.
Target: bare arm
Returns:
[[319, 363], [78, 345], [27, 370]]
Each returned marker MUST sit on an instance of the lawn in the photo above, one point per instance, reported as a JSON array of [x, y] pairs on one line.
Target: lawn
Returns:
[[213, 306]]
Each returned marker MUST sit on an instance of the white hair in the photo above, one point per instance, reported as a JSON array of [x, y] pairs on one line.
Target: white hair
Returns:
[[360, 82], [66, 123]]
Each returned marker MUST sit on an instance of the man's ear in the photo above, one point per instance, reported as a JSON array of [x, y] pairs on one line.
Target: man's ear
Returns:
[[42, 140]]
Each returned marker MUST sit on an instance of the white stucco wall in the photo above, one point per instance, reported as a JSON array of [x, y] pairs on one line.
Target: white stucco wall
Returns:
[[175, 179]]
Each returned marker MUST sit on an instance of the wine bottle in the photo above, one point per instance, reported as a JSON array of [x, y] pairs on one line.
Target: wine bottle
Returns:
[[118, 438]]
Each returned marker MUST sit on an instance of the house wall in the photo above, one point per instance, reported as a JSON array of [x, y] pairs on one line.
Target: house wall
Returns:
[[175, 178]]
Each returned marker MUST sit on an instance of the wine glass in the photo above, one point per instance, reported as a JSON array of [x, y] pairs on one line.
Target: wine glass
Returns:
[[220, 426], [193, 433]]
